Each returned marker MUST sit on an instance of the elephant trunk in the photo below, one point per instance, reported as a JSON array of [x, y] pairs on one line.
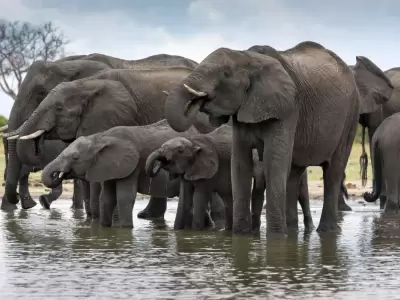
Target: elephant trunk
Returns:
[[377, 183], [363, 160], [154, 163], [52, 175], [181, 108], [13, 173]]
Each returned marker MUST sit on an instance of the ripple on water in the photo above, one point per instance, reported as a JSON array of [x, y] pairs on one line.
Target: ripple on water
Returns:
[[56, 254]]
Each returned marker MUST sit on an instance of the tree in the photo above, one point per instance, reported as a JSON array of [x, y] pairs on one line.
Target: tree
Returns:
[[20, 45]]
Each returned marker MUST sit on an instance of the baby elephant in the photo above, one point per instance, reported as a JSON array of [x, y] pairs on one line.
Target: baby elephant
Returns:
[[385, 154], [116, 158], [204, 164]]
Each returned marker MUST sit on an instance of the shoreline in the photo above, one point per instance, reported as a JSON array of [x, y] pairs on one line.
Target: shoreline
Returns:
[[315, 189]]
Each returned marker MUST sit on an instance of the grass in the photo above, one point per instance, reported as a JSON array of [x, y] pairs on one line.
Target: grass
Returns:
[[314, 173]]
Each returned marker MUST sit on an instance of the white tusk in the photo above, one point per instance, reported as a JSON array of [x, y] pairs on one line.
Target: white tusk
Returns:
[[33, 135], [60, 175], [14, 137], [4, 128], [165, 92], [194, 92]]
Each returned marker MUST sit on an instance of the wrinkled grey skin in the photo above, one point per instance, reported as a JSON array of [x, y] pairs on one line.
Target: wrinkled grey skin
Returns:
[[41, 78], [385, 147], [202, 162], [371, 121], [297, 107], [116, 159], [107, 99]]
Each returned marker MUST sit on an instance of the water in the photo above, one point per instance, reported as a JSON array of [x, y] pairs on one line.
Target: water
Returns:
[[56, 255]]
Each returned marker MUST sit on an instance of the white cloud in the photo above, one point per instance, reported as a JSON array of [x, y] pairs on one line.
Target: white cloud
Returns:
[[229, 23]]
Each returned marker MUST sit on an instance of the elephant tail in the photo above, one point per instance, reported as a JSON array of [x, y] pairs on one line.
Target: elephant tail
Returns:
[[377, 183], [363, 160]]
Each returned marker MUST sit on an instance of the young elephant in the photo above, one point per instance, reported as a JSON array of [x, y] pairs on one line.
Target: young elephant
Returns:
[[203, 163], [116, 159], [385, 147]]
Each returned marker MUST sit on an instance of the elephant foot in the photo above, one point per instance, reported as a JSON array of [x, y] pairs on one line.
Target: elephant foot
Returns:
[[155, 209], [329, 227], [392, 208], [7, 206], [242, 228], [77, 204], [43, 202], [292, 225], [308, 224], [27, 202], [343, 206]]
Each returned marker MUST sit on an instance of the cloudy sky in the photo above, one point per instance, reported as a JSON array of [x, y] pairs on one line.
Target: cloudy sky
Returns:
[[133, 29]]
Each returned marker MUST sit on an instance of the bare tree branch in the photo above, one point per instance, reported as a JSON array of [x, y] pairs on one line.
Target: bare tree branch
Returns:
[[21, 44]]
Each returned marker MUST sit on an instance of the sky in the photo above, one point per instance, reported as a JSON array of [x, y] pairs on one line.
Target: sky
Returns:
[[133, 29]]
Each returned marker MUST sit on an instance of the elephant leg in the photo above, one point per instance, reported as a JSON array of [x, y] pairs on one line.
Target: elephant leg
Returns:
[[46, 199], [228, 207], [217, 208], [86, 198], [208, 221], [26, 200], [155, 209], [383, 197], [108, 203], [292, 195], [184, 217], [242, 175], [342, 205], [304, 200], [126, 195], [201, 198], [95, 189], [277, 161], [257, 202], [78, 195]]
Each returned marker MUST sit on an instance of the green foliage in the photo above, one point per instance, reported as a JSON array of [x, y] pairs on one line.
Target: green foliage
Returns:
[[3, 120]]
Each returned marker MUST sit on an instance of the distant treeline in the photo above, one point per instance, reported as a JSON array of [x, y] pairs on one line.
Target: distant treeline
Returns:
[[3, 120]]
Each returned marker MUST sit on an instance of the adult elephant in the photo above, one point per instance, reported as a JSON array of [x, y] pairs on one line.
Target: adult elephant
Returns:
[[298, 107], [40, 79], [370, 121], [108, 99]]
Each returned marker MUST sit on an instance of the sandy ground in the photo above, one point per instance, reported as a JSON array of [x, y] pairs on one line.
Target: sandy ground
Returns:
[[315, 188]]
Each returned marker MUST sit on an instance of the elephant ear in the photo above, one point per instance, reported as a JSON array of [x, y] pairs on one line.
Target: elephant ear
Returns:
[[114, 158], [374, 86], [271, 94], [205, 163], [69, 69]]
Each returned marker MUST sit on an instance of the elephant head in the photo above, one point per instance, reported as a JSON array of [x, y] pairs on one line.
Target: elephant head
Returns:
[[249, 85], [95, 158], [80, 108], [40, 79], [192, 159], [374, 86]]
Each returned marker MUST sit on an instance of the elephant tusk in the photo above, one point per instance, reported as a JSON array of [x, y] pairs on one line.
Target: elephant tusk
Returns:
[[33, 135], [194, 92], [165, 92], [3, 128], [14, 137], [60, 175]]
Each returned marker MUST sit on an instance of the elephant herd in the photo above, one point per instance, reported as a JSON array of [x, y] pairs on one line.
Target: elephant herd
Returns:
[[218, 135]]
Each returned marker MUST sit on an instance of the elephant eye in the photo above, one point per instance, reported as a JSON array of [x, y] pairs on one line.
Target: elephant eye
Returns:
[[75, 156]]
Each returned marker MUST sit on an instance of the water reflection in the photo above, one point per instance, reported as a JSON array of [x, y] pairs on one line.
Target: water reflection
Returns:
[[51, 254]]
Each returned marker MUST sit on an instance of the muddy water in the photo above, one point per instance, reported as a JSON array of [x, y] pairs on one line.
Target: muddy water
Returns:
[[56, 255]]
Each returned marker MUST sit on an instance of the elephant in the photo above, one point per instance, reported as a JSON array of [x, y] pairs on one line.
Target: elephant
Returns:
[[370, 121], [116, 159], [40, 79], [298, 107], [202, 162], [107, 99], [385, 145], [373, 86]]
